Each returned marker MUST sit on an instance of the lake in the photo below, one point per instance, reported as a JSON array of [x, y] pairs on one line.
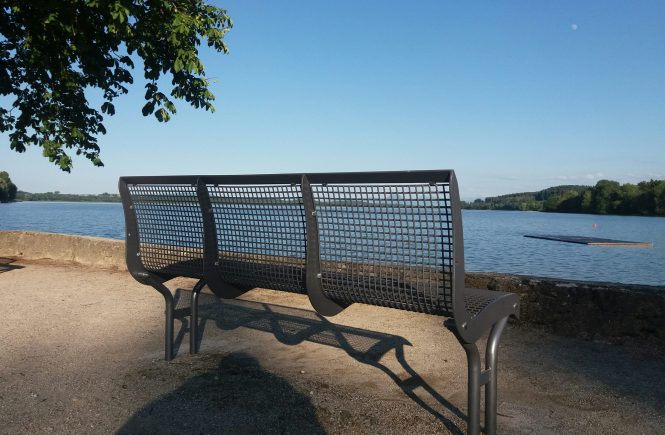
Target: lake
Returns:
[[494, 240]]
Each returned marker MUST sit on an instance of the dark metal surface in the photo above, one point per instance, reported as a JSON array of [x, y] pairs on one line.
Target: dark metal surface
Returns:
[[169, 316], [132, 255], [459, 307], [169, 229], [473, 388], [261, 235], [386, 244], [382, 238], [386, 177], [194, 318], [331, 177], [491, 366], [318, 299], [211, 270]]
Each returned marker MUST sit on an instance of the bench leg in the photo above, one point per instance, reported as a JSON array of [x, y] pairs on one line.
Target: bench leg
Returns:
[[473, 388], [194, 317], [169, 315], [487, 378], [168, 331], [491, 356]]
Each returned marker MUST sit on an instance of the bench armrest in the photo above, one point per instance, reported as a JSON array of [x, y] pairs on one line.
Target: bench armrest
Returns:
[[484, 308]]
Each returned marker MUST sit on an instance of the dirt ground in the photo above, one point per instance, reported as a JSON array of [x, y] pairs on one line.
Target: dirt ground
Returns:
[[81, 351]]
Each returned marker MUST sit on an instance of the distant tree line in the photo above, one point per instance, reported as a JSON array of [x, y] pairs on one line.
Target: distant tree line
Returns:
[[646, 198], [8, 189], [69, 197]]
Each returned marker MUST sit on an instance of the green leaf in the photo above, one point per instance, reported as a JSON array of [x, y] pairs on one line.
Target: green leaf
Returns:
[[162, 115], [148, 108], [108, 108], [170, 106], [177, 65]]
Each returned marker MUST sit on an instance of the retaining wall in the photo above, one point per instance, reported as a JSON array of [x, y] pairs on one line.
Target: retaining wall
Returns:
[[584, 309], [88, 251], [574, 308]]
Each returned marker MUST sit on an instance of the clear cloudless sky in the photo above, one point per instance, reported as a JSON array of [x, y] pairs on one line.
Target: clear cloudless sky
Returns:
[[513, 95]]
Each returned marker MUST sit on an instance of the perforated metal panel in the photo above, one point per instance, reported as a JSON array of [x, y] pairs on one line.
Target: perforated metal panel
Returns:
[[388, 244], [476, 300], [378, 238], [261, 235], [170, 229]]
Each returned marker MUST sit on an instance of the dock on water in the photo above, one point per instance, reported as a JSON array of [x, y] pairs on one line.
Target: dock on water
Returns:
[[584, 240]]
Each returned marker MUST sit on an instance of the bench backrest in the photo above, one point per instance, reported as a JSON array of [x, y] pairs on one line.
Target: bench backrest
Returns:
[[382, 238]]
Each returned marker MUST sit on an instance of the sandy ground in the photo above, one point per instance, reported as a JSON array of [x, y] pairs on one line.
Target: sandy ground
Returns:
[[81, 351]]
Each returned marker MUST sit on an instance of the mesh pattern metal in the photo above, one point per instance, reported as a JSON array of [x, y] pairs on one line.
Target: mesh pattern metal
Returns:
[[261, 235], [388, 245], [170, 229], [476, 300]]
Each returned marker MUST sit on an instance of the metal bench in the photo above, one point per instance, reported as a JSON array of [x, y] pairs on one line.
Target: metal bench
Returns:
[[392, 239]]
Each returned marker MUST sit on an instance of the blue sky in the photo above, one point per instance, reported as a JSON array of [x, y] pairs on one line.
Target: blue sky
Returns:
[[515, 96]]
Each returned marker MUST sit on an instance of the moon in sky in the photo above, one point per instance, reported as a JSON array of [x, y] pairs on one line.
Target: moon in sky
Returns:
[[573, 27]]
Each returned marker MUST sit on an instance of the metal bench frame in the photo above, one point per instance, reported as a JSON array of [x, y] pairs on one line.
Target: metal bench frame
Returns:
[[471, 312]]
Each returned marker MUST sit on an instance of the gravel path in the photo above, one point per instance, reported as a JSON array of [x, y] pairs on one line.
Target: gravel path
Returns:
[[81, 352]]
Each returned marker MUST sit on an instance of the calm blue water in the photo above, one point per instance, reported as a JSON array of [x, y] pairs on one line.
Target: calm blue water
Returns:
[[86, 219], [494, 240]]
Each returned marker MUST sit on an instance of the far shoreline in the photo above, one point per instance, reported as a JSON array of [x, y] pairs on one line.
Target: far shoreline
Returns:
[[56, 201], [118, 201]]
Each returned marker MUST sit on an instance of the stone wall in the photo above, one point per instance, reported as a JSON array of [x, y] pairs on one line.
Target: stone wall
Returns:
[[88, 251], [582, 309]]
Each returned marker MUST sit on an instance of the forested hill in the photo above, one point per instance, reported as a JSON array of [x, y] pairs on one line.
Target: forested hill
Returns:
[[646, 198], [70, 197], [525, 201]]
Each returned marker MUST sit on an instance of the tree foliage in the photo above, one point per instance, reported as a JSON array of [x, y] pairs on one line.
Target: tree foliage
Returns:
[[53, 52], [525, 201], [7, 188], [69, 197], [646, 198]]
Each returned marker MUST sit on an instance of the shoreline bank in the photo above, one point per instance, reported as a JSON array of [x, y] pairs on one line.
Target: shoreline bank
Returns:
[[583, 309]]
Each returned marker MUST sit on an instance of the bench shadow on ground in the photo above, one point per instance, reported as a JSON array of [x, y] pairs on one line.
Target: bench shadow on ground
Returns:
[[230, 394], [292, 326], [6, 265]]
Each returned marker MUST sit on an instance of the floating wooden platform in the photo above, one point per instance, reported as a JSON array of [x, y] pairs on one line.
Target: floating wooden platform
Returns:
[[583, 240]]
